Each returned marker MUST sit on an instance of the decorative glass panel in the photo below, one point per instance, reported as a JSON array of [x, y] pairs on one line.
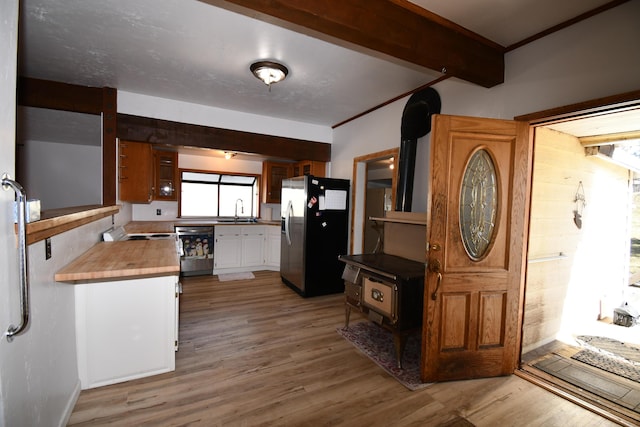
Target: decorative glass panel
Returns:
[[478, 204]]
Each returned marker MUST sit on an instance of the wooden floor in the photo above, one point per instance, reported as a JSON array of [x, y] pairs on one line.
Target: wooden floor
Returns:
[[255, 353]]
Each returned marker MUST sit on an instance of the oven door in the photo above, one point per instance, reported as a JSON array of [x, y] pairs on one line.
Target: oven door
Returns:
[[380, 296]]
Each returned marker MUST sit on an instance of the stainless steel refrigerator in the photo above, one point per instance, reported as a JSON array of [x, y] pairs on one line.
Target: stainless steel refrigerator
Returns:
[[314, 214]]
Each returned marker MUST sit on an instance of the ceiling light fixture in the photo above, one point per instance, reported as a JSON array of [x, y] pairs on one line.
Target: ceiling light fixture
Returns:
[[228, 155], [269, 72]]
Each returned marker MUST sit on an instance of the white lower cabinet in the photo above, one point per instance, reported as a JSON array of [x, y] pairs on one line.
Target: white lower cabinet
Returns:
[[272, 250], [245, 248], [125, 329]]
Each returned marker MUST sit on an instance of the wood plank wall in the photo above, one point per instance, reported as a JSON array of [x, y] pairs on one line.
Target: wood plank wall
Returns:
[[594, 270]]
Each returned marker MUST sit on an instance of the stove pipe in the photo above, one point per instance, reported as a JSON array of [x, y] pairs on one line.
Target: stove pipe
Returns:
[[416, 123]]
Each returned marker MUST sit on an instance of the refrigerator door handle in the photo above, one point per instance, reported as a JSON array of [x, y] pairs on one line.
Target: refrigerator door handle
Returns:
[[287, 222]]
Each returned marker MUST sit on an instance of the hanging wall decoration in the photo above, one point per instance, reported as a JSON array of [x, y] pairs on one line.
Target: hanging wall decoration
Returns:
[[580, 202]]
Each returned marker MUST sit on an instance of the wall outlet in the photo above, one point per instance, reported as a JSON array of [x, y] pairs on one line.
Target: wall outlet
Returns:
[[158, 211], [47, 248]]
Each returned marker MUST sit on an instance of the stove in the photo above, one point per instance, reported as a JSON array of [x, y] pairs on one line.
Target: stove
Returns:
[[119, 233], [388, 289]]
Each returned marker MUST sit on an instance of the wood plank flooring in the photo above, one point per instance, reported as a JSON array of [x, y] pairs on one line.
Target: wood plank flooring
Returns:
[[255, 353]]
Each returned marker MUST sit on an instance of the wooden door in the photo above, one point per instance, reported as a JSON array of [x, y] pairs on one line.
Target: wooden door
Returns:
[[476, 234]]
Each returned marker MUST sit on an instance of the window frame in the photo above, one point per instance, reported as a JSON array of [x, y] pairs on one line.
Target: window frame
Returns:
[[220, 175]]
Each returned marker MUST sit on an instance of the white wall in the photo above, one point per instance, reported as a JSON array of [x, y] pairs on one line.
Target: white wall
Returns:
[[38, 374], [10, 377], [184, 112], [592, 59], [51, 178]]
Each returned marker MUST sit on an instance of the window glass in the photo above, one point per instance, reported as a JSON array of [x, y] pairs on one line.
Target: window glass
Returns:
[[218, 195]]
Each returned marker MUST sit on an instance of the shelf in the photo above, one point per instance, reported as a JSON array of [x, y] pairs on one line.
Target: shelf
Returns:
[[414, 218]]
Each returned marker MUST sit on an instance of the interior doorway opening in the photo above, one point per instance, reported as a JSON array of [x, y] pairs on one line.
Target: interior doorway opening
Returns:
[[374, 192]]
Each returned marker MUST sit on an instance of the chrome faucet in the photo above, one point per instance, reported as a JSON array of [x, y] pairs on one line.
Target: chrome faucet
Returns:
[[241, 208]]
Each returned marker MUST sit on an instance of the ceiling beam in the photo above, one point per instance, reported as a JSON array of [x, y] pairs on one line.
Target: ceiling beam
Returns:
[[608, 139], [393, 29], [166, 132]]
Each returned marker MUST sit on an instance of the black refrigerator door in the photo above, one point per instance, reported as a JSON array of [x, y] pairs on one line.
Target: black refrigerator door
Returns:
[[326, 234]]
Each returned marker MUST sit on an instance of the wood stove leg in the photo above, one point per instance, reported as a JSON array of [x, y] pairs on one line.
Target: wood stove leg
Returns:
[[347, 314], [400, 341]]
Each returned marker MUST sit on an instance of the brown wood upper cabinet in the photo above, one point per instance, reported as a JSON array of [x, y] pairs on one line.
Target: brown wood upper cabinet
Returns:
[[135, 172], [145, 174], [166, 175], [272, 175], [309, 167]]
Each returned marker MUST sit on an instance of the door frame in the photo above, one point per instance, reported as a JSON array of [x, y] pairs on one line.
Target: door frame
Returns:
[[590, 108], [358, 192]]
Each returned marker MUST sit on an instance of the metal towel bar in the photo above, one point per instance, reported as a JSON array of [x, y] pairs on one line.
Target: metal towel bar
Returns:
[[548, 258], [12, 331]]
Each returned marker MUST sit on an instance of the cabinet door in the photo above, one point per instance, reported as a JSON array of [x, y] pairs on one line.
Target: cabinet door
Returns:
[[272, 176], [135, 172], [166, 174], [272, 250], [309, 167], [227, 252], [252, 246]]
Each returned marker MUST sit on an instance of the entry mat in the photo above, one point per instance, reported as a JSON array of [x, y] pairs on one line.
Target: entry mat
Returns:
[[610, 355], [377, 344], [227, 277], [598, 382]]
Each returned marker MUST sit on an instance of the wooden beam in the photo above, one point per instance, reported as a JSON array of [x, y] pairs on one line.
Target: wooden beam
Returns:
[[143, 129], [396, 29], [612, 138], [59, 96]]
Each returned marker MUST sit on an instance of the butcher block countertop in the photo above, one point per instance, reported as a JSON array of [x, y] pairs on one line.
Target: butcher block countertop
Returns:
[[123, 260], [135, 227]]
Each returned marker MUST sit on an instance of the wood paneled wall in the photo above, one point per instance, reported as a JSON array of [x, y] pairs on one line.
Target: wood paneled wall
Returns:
[[594, 269]]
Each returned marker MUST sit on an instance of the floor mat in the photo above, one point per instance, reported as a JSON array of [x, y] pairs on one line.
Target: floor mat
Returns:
[[227, 277], [610, 355], [377, 343]]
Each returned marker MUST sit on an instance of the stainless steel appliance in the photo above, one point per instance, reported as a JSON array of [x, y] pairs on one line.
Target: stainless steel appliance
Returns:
[[197, 250], [314, 214]]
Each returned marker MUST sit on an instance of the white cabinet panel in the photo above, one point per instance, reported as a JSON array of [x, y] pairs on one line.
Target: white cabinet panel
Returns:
[[272, 249], [125, 329], [246, 248]]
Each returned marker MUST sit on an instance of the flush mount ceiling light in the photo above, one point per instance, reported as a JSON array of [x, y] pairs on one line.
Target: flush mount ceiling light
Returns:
[[228, 155], [269, 72]]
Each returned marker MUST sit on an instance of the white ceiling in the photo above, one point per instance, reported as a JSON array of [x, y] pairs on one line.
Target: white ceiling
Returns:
[[191, 51]]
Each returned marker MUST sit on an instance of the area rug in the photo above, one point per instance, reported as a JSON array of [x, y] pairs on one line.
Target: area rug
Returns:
[[377, 344], [610, 355], [227, 277]]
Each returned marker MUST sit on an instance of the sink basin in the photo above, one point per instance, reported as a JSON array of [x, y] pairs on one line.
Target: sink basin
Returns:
[[237, 221]]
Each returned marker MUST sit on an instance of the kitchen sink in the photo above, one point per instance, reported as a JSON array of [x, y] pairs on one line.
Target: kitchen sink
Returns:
[[237, 221]]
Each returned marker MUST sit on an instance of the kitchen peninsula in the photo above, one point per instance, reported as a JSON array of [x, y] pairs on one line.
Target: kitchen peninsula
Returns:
[[126, 310]]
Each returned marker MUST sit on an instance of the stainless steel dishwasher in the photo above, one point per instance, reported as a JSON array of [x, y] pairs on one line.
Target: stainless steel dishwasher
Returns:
[[196, 258]]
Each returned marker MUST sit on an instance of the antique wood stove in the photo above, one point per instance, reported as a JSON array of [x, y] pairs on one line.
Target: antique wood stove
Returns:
[[388, 287]]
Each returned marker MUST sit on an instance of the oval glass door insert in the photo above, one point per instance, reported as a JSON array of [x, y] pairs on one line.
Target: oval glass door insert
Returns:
[[478, 204]]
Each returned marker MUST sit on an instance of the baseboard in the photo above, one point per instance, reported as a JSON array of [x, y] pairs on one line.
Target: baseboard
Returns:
[[71, 403]]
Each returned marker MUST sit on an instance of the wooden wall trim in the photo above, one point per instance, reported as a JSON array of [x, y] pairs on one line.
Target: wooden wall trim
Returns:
[[592, 107], [397, 29], [109, 125], [144, 129]]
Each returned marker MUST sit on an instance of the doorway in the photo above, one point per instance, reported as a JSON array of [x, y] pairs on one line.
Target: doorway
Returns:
[[578, 254], [374, 193]]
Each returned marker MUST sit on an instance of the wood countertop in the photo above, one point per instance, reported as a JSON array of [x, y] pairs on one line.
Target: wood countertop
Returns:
[[135, 227], [123, 260]]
